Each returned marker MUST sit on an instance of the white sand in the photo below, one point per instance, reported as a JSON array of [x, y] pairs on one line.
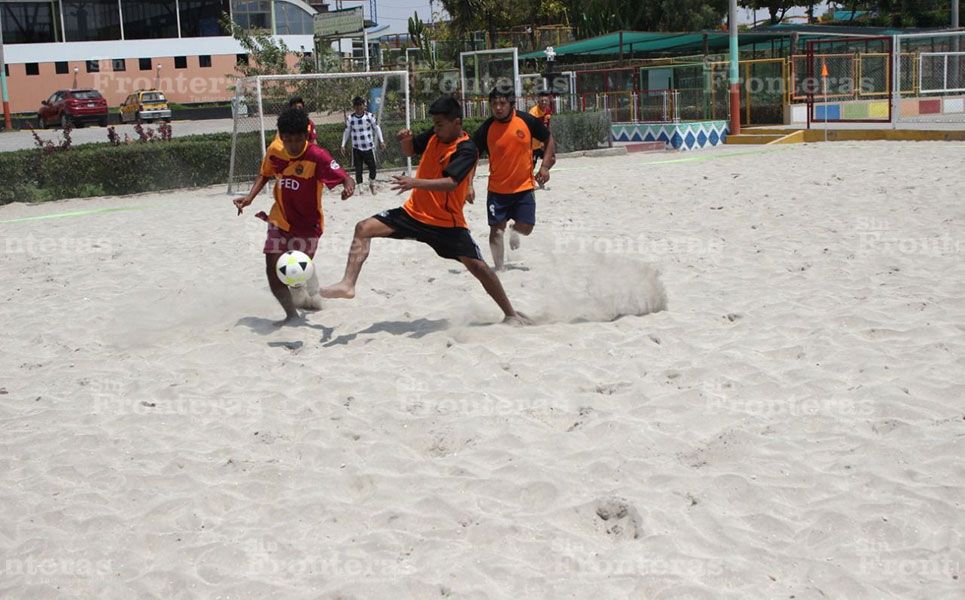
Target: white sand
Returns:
[[790, 427]]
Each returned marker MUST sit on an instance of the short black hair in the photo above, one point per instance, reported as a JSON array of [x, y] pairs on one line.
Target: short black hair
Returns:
[[503, 91], [357, 100], [448, 107], [292, 120], [544, 93], [295, 100]]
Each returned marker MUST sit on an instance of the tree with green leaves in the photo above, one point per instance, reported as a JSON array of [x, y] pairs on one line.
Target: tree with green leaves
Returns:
[[776, 9]]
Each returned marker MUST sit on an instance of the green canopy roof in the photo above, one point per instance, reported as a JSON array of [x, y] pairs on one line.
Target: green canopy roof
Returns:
[[636, 42], [640, 42]]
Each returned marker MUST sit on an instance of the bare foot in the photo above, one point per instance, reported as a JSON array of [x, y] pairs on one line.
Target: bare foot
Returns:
[[312, 303], [339, 290], [290, 320], [513, 240], [518, 320]]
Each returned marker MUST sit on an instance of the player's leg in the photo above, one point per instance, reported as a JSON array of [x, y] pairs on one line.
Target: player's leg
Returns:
[[279, 289], [276, 244], [370, 162], [497, 210], [306, 296], [490, 282], [358, 163], [524, 217], [365, 230]]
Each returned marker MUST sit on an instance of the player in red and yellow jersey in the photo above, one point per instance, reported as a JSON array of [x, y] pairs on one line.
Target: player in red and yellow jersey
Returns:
[[507, 137], [433, 212], [296, 220]]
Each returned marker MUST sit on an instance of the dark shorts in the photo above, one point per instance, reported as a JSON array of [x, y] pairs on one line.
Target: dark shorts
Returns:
[[280, 241], [520, 207], [448, 242]]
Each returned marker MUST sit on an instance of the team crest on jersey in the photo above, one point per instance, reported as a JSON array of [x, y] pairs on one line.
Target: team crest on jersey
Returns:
[[334, 165], [299, 169], [520, 134]]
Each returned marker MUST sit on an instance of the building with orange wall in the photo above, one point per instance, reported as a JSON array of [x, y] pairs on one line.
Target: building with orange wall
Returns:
[[118, 46]]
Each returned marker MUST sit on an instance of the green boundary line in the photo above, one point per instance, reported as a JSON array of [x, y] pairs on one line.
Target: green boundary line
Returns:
[[75, 213]]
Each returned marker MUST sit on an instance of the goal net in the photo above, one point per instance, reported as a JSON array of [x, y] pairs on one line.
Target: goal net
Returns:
[[482, 70], [328, 98]]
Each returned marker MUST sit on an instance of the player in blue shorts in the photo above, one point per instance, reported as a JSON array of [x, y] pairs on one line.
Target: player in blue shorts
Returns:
[[507, 137]]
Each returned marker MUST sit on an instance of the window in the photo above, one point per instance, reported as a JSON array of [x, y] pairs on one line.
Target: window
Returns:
[[204, 60], [252, 15], [292, 20], [86, 95], [153, 97], [6, 69], [61, 67], [118, 65], [202, 18], [91, 20], [32, 68], [242, 59], [93, 66], [180, 62], [144, 64], [149, 20], [30, 22]]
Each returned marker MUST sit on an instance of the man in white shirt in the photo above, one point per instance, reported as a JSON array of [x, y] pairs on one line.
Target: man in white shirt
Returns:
[[364, 130]]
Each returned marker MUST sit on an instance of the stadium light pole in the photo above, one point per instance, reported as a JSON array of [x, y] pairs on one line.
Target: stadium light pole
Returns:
[[735, 91]]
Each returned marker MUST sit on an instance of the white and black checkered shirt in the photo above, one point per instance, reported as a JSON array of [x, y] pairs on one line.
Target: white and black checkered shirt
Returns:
[[363, 130]]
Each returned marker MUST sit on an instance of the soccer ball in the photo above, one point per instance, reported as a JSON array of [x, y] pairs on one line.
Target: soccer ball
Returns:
[[294, 268]]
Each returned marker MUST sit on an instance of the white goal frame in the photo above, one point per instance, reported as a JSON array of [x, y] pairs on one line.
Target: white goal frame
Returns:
[[257, 80], [517, 85]]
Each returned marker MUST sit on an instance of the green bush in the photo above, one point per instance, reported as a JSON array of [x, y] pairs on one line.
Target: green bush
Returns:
[[201, 160], [580, 131]]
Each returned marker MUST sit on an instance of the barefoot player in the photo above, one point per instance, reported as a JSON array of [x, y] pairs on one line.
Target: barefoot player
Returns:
[[433, 213], [296, 219]]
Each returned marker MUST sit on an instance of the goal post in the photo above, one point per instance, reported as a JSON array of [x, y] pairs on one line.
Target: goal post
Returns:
[[481, 70], [259, 100], [848, 80], [930, 70]]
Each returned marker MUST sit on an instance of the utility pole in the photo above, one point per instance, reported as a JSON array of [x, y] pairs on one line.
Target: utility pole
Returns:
[[7, 122], [735, 90]]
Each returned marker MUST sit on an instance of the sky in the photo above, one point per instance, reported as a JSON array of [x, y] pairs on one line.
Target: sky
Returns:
[[395, 13]]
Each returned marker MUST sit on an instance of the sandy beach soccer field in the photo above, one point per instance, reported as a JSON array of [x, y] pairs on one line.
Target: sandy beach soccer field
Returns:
[[789, 425]]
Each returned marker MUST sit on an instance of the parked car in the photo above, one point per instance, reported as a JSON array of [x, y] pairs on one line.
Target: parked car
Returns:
[[145, 105], [73, 107]]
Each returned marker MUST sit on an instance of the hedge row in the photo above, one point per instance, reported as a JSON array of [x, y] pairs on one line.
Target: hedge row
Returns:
[[202, 160]]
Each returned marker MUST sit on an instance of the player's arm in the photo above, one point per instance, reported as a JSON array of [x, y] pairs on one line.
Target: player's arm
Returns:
[[413, 144], [312, 133], [471, 191], [243, 201], [480, 137], [542, 133], [378, 133], [549, 154], [329, 172], [345, 134]]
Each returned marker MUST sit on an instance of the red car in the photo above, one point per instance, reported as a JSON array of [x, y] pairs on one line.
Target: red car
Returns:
[[74, 107]]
